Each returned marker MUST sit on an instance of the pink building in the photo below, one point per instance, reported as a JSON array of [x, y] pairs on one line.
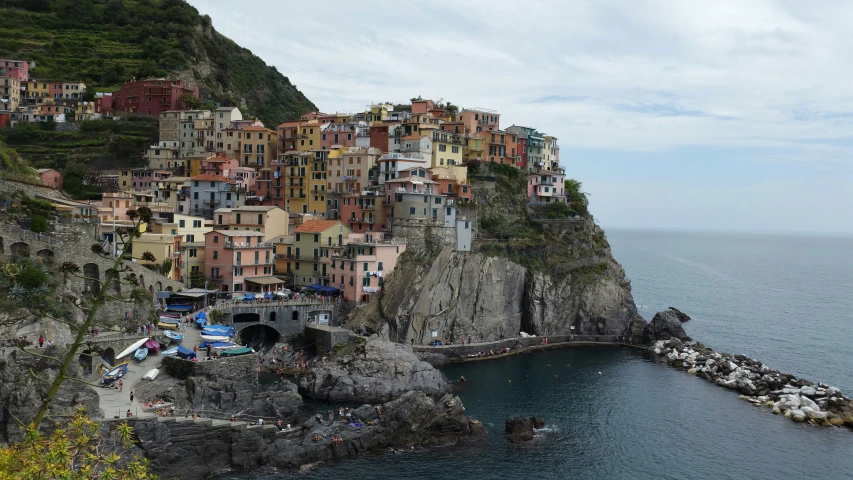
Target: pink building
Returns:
[[218, 165], [359, 270], [19, 69], [547, 187], [153, 96], [244, 176], [104, 103], [239, 260], [338, 134], [479, 120], [51, 177], [422, 106]]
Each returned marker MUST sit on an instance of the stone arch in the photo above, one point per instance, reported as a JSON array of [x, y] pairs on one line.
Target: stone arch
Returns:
[[92, 283], [170, 289], [142, 281], [294, 315], [85, 361], [2, 246], [109, 355], [46, 255], [158, 286], [20, 250], [151, 289], [115, 284], [259, 334], [272, 316], [248, 317]]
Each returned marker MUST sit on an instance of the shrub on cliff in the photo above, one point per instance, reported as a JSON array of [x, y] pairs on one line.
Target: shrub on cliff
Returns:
[[80, 450]]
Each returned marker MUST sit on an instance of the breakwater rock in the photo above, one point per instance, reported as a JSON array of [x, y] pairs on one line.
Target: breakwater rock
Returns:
[[522, 429], [796, 398], [195, 449], [375, 372]]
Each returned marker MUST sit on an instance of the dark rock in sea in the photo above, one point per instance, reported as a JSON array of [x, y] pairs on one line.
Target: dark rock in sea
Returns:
[[521, 429], [682, 317], [376, 372], [196, 449], [664, 326]]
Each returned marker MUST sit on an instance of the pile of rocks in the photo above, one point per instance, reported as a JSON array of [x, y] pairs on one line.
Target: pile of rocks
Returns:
[[796, 398]]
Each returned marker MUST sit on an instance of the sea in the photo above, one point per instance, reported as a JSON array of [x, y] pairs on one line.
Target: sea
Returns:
[[613, 413]]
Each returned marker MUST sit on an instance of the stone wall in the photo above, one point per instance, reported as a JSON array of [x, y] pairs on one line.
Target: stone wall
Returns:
[[75, 247], [325, 338], [243, 368], [457, 352], [68, 127], [424, 235], [9, 187], [287, 318]]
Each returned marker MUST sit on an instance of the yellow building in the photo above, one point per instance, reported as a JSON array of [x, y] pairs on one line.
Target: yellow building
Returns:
[[166, 249], [459, 174], [283, 247], [314, 243], [36, 91], [475, 147], [349, 168], [308, 136], [267, 219], [191, 230], [376, 113], [317, 183], [10, 93], [257, 146], [167, 190], [447, 149], [84, 111], [295, 171]]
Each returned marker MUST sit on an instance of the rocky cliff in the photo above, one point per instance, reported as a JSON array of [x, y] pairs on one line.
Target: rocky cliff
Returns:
[[21, 395], [200, 449], [538, 269], [375, 372]]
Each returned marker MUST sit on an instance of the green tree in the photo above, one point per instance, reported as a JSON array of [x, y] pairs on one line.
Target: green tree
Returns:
[[577, 198], [197, 279], [190, 102]]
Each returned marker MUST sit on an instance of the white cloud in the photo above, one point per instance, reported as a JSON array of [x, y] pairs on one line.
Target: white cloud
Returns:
[[642, 76]]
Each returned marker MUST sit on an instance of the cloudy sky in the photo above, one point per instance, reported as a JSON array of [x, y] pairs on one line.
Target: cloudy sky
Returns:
[[677, 114]]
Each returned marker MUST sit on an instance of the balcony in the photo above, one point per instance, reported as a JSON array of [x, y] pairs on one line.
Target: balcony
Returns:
[[426, 191], [362, 220], [241, 246], [215, 278], [211, 202]]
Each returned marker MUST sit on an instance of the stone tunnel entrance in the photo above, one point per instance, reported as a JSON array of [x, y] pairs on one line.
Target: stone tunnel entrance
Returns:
[[247, 318], [259, 337]]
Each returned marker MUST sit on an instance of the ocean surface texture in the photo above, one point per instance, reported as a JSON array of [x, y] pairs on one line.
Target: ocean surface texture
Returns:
[[614, 413]]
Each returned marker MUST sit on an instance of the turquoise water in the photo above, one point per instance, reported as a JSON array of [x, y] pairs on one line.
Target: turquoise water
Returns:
[[785, 300]]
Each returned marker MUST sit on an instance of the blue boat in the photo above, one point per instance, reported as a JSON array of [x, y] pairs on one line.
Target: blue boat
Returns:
[[185, 353], [173, 336], [218, 345], [117, 372], [227, 332], [170, 352], [140, 354]]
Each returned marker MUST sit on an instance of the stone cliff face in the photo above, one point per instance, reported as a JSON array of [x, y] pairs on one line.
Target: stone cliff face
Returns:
[[477, 298], [21, 395]]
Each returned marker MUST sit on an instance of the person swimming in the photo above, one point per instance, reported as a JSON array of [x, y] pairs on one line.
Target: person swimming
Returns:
[[462, 378]]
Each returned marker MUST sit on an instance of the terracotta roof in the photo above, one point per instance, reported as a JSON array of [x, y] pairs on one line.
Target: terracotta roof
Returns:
[[208, 177], [316, 226], [289, 124], [255, 128]]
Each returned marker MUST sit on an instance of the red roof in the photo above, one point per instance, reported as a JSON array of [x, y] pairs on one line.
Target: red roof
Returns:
[[316, 226], [255, 128], [208, 177]]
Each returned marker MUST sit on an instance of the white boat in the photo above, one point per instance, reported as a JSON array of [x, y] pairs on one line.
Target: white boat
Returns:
[[132, 348], [216, 338], [151, 374]]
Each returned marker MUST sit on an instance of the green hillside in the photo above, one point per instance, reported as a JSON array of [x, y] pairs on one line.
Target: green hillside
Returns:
[[107, 42]]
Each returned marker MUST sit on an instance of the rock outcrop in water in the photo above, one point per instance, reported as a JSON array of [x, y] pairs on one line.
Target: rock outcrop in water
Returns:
[[796, 398], [375, 372], [196, 449], [665, 325], [522, 429]]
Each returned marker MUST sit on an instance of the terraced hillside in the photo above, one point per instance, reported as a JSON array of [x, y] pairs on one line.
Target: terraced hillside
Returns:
[[107, 42]]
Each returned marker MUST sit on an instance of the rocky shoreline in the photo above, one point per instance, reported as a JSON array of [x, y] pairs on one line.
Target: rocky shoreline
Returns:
[[796, 398]]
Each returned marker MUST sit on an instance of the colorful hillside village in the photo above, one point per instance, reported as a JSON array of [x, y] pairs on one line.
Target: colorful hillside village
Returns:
[[330, 200]]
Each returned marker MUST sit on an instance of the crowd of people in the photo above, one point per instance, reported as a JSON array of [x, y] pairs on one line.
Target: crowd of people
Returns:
[[489, 353]]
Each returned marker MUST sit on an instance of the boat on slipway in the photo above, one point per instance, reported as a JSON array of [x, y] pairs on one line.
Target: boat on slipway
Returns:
[[132, 348], [237, 351], [170, 352], [219, 345], [114, 374], [215, 338], [141, 354], [173, 336]]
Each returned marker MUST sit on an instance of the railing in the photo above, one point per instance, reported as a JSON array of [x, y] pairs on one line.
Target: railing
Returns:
[[215, 278], [233, 245]]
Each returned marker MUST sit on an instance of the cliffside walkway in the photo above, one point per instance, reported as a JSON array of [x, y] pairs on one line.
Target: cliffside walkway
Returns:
[[459, 352]]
